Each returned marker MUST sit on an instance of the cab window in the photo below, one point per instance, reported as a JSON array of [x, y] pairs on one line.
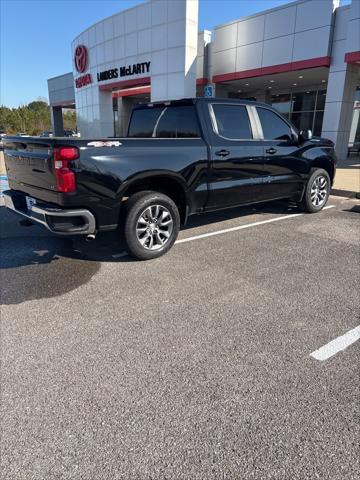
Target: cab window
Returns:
[[232, 121], [273, 126], [177, 122], [164, 122]]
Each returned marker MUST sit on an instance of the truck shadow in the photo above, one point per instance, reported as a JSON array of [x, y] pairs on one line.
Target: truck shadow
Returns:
[[109, 247], [35, 264]]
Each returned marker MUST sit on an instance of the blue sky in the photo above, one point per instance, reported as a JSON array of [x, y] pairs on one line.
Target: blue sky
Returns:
[[36, 36]]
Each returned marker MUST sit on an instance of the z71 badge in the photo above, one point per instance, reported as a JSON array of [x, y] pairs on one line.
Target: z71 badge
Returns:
[[104, 144]]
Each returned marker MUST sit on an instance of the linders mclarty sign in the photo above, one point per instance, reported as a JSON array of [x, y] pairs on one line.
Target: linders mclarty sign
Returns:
[[134, 69]]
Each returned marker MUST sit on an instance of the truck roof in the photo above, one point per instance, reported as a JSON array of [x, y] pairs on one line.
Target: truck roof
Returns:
[[192, 101]]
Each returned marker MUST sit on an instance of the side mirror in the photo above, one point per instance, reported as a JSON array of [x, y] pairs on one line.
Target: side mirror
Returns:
[[305, 135]]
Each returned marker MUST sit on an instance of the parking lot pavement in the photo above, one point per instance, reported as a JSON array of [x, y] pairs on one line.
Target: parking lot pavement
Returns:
[[196, 365]]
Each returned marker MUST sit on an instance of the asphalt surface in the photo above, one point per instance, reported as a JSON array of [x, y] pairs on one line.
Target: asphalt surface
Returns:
[[192, 366]]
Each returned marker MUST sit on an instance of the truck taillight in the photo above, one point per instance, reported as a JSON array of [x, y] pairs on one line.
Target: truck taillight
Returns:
[[65, 178]]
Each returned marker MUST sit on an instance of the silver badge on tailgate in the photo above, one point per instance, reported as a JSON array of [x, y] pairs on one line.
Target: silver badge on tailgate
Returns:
[[104, 144]]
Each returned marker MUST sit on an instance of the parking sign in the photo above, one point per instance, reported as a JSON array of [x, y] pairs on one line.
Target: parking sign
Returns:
[[209, 91]]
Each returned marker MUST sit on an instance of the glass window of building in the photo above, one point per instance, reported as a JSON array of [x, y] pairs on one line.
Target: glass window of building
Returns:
[[304, 101], [320, 101], [282, 103], [303, 120], [318, 121], [304, 109], [355, 123]]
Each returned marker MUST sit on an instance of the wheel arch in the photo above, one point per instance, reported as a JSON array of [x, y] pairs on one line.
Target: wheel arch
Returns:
[[166, 183], [326, 164]]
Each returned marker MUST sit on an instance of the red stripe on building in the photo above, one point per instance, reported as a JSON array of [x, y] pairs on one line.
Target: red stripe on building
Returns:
[[127, 83], [201, 81], [144, 81], [273, 69], [131, 91], [352, 57]]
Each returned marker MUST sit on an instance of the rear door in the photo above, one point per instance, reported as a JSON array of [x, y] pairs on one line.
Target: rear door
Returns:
[[169, 141], [236, 171], [283, 163]]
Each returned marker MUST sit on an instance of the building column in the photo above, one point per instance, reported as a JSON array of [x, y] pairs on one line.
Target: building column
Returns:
[[94, 112], [57, 121], [343, 77], [339, 108], [173, 62]]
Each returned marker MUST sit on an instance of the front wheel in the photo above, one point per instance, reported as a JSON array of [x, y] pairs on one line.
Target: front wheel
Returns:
[[152, 224], [317, 191]]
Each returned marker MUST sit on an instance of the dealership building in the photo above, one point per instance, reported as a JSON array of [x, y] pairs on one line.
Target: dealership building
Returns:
[[303, 58]]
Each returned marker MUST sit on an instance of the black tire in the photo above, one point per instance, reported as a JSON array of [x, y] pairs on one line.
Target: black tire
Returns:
[[137, 209], [308, 203]]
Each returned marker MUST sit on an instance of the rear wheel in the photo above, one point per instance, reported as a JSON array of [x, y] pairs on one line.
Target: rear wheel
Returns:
[[152, 224], [317, 191]]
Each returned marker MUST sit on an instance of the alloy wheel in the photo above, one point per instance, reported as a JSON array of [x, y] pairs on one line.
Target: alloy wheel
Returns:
[[319, 190], [154, 227]]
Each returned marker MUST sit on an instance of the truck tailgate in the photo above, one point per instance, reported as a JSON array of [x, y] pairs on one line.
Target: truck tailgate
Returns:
[[29, 164]]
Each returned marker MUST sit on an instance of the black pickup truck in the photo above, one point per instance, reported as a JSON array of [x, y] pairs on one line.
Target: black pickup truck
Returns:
[[179, 158]]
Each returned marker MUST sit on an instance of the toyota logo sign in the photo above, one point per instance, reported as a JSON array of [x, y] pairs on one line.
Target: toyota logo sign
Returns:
[[81, 58]]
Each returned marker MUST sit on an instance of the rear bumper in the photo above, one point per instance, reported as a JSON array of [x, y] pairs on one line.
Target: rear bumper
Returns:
[[57, 220]]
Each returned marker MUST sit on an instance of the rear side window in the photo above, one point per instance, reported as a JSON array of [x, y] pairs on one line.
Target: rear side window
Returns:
[[232, 121], [177, 122], [165, 122], [143, 122], [274, 127]]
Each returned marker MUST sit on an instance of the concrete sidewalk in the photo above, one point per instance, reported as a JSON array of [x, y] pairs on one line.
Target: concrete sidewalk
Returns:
[[347, 179]]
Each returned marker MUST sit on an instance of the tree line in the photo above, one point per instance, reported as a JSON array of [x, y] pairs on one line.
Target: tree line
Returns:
[[32, 119]]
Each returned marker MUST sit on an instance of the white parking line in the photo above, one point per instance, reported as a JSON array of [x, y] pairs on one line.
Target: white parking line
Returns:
[[242, 227], [337, 345]]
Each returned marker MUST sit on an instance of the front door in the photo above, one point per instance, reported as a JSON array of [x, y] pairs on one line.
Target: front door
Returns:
[[236, 169], [283, 164]]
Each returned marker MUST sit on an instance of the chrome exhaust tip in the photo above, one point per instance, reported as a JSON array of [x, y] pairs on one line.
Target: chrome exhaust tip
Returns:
[[90, 238]]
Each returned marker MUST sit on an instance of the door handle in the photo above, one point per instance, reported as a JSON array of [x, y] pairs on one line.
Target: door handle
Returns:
[[222, 153], [271, 150]]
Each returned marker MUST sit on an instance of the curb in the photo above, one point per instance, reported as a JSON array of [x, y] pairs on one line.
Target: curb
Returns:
[[344, 193]]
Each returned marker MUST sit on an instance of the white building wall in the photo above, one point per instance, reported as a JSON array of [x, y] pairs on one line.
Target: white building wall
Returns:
[[61, 89], [299, 31], [61, 94], [162, 32], [174, 49], [204, 39], [165, 32], [353, 36]]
